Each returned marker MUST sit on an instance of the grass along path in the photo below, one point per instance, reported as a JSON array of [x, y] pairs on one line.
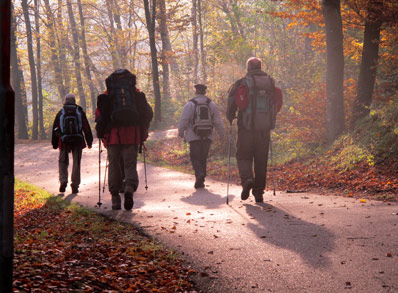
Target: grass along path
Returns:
[[62, 247]]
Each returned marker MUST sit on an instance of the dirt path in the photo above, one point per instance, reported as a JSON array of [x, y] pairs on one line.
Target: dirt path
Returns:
[[291, 243]]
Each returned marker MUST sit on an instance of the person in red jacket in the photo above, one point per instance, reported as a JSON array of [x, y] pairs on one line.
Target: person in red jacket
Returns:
[[123, 143], [67, 135], [253, 129]]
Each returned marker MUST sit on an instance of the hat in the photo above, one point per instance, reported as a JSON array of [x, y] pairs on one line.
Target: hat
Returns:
[[253, 63], [70, 99], [200, 88]]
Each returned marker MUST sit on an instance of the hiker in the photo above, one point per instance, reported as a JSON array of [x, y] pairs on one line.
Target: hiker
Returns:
[[68, 128], [123, 117], [198, 118], [257, 100]]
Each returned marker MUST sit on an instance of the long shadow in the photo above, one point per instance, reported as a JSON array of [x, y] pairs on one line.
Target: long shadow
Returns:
[[279, 228], [203, 197]]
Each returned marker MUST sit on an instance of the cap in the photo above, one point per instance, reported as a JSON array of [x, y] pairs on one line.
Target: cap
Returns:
[[200, 88]]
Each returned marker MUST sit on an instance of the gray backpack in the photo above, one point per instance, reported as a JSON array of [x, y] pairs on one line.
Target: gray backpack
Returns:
[[260, 114], [202, 122]]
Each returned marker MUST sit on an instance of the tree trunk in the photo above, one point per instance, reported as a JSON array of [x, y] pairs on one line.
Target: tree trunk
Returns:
[[21, 109], [7, 117], [368, 70], [202, 50], [54, 53], [113, 40], [334, 69], [32, 68], [195, 50], [42, 133], [63, 44], [164, 34], [93, 93], [150, 21], [76, 56], [121, 40]]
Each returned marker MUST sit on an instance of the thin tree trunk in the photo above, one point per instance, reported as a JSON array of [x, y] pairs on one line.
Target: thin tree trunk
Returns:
[[38, 67], [18, 85], [164, 35], [195, 50], [54, 53], [63, 40], [368, 70], [113, 41], [150, 21], [334, 68], [32, 68], [121, 41], [202, 50], [87, 71], [76, 56]]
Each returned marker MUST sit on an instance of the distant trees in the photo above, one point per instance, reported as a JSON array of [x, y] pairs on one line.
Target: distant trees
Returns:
[[72, 46]]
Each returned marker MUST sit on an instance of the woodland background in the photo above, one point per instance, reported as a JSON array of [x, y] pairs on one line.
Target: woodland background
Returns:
[[336, 62]]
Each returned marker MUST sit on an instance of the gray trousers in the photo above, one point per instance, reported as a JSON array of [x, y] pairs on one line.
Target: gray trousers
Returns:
[[198, 152], [63, 163], [128, 153], [252, 147]]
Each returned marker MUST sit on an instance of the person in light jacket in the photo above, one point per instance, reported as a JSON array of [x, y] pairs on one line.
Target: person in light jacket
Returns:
[[199, 145]]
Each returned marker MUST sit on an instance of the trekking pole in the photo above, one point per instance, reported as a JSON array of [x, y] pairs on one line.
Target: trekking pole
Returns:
[[146, 181], [106, 168], [99, 173], [229, 157], [272, 164]]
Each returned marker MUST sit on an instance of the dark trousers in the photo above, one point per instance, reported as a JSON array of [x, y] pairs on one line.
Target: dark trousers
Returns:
[[252, 147], [63, 164], [128, 152], [199, 150]]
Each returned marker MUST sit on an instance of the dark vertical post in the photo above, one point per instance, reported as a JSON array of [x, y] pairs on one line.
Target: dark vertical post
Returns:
[[7, 116]]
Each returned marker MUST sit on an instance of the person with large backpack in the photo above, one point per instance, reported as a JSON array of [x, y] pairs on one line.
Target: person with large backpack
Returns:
[[199, 116], [123, 117], [70, 133], [257, 100]]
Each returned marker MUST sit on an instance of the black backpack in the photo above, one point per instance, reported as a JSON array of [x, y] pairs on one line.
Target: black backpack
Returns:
[[202, 122], [71, 125], [121, 91]]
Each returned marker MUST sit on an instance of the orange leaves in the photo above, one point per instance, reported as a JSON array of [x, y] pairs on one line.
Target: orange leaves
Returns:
[[64, 250]]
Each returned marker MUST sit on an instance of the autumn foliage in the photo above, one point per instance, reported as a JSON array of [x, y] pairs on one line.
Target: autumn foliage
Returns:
[[59, 247]]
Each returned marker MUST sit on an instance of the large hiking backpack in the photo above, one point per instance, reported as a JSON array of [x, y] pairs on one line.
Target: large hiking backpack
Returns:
[[71, 125], [255, 99], [202, 122], [121, 91]]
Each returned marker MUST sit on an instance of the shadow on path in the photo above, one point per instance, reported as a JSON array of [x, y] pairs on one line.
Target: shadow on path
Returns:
[[203, 197], [279, 228]]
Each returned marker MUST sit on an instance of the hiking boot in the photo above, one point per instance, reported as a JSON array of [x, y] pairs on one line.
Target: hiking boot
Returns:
[[246, 187], [258, 196], [75, 189], [128, 198], [200, 182], [116, 202], [62, 187]]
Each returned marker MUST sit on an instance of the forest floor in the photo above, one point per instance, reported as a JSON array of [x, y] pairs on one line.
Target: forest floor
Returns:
[[293, 242]]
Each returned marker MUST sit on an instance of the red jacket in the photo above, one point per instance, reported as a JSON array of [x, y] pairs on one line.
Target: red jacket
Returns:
[[124, 134]]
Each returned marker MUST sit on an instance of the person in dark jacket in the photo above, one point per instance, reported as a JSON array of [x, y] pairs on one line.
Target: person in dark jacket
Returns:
[[70, 116], [252, 144], [123, 143]]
